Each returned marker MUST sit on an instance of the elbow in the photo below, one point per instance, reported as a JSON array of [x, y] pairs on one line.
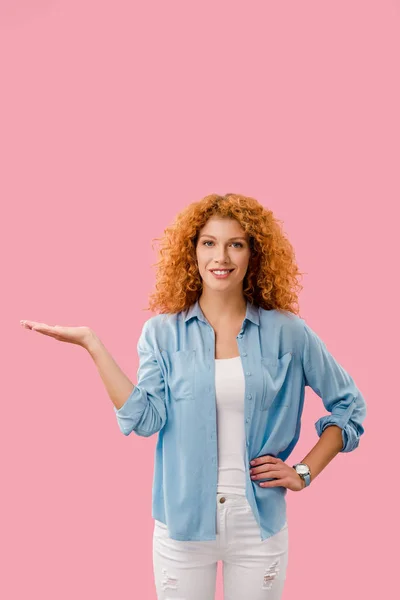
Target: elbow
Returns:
[[124, 430], [150, 425], [146, 430], [353, 428], [152, 419], [351, 431], [143, 414], [349, 420], [142, 432], [351, 434]]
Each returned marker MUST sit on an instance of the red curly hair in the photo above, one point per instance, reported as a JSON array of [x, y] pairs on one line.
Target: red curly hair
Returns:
[[271, 278]]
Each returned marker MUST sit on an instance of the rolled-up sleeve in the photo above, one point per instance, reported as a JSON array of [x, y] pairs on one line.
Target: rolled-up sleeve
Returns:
[[144, 411], [341, 397]]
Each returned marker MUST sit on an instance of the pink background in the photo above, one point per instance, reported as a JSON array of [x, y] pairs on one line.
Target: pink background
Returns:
[[114, 116]]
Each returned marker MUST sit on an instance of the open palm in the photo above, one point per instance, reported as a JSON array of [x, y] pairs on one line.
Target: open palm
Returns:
[[72, 335]]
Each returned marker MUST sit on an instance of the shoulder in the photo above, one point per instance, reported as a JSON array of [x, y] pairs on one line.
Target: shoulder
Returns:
[[289, 326], [160, 328], [281, 318], [157, 322]]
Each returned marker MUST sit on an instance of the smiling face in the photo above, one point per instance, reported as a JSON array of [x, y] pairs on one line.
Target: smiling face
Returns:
[[222, 244]]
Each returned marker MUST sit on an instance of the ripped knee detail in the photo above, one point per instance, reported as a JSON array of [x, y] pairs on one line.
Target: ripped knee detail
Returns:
[[270, 575], [169, 581]]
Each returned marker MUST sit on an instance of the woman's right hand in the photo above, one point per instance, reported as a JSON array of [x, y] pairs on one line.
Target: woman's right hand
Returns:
[[73, 335]]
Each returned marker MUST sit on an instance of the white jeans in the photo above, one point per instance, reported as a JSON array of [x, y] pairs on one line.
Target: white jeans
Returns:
[[251, 568]]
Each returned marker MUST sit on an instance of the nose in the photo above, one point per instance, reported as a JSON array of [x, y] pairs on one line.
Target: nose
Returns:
[[221, 255]]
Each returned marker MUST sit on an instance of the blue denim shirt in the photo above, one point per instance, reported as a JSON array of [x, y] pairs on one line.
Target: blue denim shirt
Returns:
[[175, 397]]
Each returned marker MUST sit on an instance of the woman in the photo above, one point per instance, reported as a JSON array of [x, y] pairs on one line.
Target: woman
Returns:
[[222, 374]]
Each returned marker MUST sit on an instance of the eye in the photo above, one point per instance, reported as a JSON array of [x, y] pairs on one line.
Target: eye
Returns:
[[210, 242]]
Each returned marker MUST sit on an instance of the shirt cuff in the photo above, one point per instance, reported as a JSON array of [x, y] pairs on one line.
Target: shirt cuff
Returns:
[[350, 435], [130, 413]]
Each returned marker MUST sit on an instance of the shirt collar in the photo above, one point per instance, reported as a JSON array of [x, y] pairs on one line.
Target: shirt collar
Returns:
[[252, 313]]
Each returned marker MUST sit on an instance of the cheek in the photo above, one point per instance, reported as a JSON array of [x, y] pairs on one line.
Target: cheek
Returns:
[[200, 261], [243, 263]]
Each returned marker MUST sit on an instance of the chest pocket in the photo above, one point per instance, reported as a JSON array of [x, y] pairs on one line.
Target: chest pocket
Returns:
[[181, 368], [274, 375]]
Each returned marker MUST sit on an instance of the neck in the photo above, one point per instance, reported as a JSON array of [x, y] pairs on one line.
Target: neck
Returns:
[[216, 306]]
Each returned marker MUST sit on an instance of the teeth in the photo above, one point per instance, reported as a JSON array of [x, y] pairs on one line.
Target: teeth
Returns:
[[221, 272]]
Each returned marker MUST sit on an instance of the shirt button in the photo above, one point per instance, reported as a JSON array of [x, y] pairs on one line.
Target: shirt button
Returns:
[[240, 335], [248, 373], [247, 420], [249, 395], [244, 353]]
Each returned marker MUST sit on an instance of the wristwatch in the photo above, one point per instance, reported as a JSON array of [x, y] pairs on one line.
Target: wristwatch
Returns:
[[304, 471]]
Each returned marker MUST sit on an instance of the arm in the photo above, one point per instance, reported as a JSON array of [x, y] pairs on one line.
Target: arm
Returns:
[[117, 384], [339, 431], [328, 445], [140, 407]]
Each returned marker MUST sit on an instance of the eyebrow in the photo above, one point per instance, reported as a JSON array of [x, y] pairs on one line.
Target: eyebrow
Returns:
[[232, 238]]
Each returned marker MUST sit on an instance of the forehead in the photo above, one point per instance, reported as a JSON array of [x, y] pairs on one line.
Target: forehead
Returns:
[[222, 226]]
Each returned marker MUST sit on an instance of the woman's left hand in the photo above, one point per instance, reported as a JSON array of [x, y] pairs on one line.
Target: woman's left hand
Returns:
[[268, 466]]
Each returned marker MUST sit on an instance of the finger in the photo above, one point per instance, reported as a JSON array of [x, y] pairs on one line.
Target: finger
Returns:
[[266, 475], [264, 459], [267, 467], [45, 329], [28, 324], [33, 324], [275, 483], [41, 327]]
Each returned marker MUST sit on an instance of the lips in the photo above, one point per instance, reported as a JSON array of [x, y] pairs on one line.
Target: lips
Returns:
[[224, 275]]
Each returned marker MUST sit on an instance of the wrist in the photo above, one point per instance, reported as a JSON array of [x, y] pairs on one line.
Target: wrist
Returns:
[[91, 341], [304, 473], [303, 483]]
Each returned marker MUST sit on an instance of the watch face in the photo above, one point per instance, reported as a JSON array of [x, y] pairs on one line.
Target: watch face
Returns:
[[302, 469]]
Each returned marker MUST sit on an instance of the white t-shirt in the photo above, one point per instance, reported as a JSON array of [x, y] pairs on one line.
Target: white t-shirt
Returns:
[[230, 390]]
